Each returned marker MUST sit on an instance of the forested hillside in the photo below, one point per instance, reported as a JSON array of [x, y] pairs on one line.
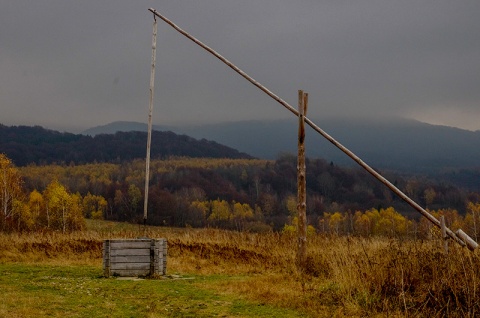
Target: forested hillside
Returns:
[[240, 193], [389, 143], [25, 145], [102, 177]]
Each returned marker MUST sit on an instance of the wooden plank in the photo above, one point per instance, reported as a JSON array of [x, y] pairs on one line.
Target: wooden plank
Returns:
[[130, 259], [130, 273], [130, 266], [130, 244], [130, 240], [131, 252]]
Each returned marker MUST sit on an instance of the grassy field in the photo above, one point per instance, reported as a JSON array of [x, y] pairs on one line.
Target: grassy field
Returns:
[[79, 291], [215, 273]]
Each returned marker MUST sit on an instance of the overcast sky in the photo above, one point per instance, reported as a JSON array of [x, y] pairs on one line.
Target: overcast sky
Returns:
[[72, 65]]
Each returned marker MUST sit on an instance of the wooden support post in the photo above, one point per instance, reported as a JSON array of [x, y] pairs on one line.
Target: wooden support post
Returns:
[[302, 184], [444, 234], [106, 258]]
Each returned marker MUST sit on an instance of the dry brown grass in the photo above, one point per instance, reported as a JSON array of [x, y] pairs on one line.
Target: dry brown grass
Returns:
[[345, 276]]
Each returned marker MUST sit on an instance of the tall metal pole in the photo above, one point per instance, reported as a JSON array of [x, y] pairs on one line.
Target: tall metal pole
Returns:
[[150, 111]]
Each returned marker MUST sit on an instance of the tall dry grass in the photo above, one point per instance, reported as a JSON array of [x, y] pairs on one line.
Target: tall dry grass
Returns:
[[344, 275]]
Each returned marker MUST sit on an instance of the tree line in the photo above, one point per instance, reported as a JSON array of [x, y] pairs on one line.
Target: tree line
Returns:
[[241, 194], [26, 145]]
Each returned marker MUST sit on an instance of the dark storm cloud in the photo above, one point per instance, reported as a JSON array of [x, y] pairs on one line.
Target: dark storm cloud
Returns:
[[77, 64]]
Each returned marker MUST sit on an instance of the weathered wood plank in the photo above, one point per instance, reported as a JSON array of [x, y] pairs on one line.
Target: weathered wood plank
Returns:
[[129, 244], [130, 259], [130, 273], [130, 266], [130, 252]]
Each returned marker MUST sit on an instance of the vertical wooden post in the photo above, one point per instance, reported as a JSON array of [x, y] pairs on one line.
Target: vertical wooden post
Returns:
[[302, 184], [444, 234], [106, 258], [150, 110]]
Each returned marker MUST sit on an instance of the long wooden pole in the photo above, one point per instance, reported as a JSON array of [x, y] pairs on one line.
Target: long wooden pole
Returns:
[[337, 144], [302, 184], [150, 111]]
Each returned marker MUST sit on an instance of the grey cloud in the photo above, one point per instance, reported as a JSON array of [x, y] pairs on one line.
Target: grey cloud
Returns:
[[86, 63]]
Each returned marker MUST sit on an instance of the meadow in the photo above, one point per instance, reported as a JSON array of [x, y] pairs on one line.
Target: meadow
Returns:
[[218, 273]]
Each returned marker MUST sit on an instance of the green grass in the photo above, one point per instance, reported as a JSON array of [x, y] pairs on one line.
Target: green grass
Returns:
[[81, 291]]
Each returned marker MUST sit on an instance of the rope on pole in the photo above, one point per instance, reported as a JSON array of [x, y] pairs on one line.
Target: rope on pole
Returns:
[[150, 111], [337, 144]]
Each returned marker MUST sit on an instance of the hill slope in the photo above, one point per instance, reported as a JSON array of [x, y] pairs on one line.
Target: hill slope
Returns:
[[25, 145], [399, 144]]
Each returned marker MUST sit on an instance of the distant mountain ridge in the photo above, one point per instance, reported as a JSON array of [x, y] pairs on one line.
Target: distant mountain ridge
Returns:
[[116, 126], [392, 143], [26, 145]]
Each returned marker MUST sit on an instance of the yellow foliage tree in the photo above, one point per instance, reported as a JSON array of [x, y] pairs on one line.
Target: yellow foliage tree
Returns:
[[242, 211], [391, 223], [336, 221], [362, 224], [23, 217], [94, 206], [10, 192], [220, 211], [62, 210]]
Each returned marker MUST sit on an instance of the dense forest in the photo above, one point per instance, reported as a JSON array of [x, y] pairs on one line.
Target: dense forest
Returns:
[[245, 194], [25, 145]]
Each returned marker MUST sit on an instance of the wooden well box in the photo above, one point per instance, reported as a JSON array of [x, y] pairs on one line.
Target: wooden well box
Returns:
[[135, 257]]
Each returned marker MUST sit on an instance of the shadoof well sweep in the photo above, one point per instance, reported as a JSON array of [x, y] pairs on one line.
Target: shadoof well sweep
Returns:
[[142, 256], [459, 236]]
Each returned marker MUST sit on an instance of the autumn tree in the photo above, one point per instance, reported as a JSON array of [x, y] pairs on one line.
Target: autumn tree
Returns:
[[241, 214], [63, 210], [21, 218], [129, 202], [362, 224], [36, 205], [11, 192], [221, 211], [94, 206], [200, 208], [392, 223]]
